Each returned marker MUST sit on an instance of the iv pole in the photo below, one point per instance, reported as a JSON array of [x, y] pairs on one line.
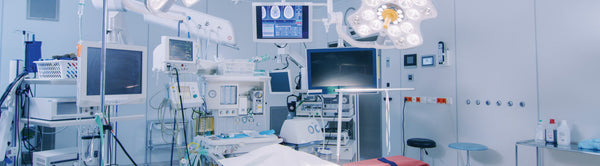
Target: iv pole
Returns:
[[103, 73]]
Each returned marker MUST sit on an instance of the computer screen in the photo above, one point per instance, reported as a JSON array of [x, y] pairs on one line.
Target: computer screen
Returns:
[[281, 22], [335, 68], [181, 50], [125, 79], [280, 82]]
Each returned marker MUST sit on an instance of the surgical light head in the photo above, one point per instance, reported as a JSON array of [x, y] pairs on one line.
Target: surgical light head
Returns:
[[165, 5], [397, 21], [159, 5]]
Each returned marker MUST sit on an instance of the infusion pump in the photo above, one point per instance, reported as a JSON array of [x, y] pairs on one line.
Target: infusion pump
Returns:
[[190, 95]]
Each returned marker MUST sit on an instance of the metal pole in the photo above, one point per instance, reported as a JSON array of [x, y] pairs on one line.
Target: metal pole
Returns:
[[357, 123], [516, 154], [468, 159], [339, 126], [103, 63]]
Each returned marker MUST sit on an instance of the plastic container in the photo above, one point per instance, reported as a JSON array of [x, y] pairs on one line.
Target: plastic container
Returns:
[[324, 154], [551, 132], [540, 132], [564, 134], [56, 69]]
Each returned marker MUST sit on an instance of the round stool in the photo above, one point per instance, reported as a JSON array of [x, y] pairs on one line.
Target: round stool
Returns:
[[468, 147], [421, 143]]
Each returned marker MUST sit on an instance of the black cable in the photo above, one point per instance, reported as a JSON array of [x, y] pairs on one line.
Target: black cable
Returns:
[[173, 137], [123, 148], [298, 80], [280, 46], [182, 116], [10, 86], [287, 64], [403, 132]]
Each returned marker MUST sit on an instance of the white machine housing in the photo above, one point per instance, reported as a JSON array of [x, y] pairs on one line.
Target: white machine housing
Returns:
[[331, 138], [228, 95], [301, 131], [200, 24], [57, 109], [190, 95], [57, 157], [163, 61], [221, 146]]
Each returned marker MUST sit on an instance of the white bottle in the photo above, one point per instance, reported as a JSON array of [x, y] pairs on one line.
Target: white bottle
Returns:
[[551, 132], [540, 132], [564, 134]]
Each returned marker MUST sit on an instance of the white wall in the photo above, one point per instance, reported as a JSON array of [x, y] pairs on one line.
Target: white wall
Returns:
[[567, 35]]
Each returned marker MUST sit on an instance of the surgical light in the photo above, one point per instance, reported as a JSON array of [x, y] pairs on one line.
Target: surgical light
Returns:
[[159, 5], [189, 3], [165, 5], [397, 21]]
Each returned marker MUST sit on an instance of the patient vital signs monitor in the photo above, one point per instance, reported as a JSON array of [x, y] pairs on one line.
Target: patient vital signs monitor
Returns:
[[125, 75], [335, 68], [282, 22]]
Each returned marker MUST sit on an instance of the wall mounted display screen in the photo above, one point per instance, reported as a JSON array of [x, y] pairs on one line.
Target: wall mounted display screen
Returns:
[[282, 22], [334, 68]]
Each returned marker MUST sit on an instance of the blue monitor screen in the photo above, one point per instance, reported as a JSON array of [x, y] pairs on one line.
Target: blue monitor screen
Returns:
[[280, 82], [335, 68], [123, 72], [282, 22]]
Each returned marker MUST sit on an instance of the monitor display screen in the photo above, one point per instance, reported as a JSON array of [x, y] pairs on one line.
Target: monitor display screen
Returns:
[[181, 50], [123, 71], [126, 75], [342, 68], [282, 21], [280, 82]]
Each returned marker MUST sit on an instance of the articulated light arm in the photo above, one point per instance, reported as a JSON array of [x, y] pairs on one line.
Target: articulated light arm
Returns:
[[200, 24]]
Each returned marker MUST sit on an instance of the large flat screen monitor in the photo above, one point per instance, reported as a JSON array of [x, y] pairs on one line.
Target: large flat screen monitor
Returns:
[[125, 81], [336, 68], [282, 22]]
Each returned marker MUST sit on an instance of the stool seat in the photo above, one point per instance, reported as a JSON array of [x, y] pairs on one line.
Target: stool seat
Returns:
[[468, 146], [421, 143]]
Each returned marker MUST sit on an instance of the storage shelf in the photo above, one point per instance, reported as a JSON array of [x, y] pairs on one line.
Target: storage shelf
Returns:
[[65, 123], [52, 82], [571, 148]]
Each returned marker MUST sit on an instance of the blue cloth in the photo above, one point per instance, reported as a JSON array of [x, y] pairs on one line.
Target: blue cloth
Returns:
[[590, 144], [387, 161], [267, 132], [468, 146]]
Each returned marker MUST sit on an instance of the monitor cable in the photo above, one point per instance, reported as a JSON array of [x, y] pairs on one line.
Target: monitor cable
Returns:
[[182, 117]]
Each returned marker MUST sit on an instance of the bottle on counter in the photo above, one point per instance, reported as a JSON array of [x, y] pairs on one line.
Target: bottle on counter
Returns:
[[563, 134], [540, 132], [551, 132]]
